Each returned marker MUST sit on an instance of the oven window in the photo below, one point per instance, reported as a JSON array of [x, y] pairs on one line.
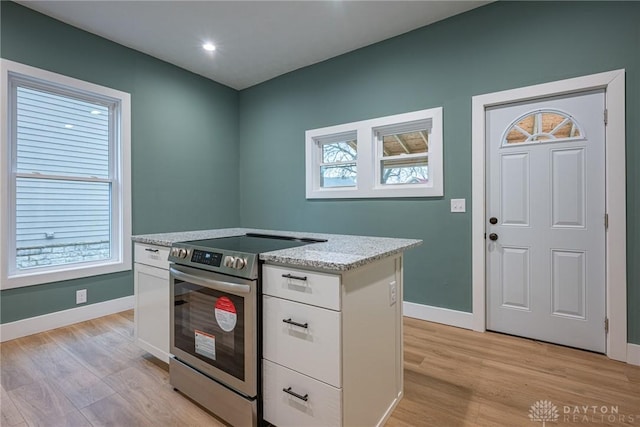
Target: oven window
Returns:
[[209, 325]]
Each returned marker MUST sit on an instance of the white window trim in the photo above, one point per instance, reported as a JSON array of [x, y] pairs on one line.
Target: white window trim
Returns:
[[122, 243], [368, 158]]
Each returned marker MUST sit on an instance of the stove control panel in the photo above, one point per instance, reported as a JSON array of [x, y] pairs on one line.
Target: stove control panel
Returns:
[[217, 260], [207, 258]]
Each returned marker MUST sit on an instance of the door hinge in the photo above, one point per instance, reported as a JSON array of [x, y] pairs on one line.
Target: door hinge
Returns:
[[606, 116], [606, 325], [606, 221]]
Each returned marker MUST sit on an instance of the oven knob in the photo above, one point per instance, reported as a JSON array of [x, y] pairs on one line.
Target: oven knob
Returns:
[[182, 253], [229, 261], [239, 263]]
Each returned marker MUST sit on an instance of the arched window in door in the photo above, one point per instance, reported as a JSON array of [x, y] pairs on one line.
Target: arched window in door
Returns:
[[542, 126]]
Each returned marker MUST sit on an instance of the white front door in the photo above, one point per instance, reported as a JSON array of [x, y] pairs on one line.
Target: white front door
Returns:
[[545, 231]]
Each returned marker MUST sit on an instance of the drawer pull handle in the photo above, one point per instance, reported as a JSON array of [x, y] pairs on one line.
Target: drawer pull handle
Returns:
[[294, 394], [289, 276], [291, 322], [155, 251]]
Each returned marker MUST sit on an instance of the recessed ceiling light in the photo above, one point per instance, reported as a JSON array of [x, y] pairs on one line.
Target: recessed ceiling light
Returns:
[[95, 112], [209, 47], [69, 126]]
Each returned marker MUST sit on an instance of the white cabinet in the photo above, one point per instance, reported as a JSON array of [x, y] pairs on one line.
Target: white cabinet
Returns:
[[151, 290], [332, 345]]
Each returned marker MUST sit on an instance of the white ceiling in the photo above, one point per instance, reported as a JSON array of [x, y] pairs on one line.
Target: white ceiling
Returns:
[[255, 40]]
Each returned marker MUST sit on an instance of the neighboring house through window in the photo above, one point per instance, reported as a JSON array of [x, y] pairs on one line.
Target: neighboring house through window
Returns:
[[66, 179]]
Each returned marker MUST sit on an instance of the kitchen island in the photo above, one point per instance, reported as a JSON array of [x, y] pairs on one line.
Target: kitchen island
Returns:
[[331, 323], [339, 253]]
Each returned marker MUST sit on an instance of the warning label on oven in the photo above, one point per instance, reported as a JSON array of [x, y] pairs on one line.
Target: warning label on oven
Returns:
[[205, 344], [226, 314]]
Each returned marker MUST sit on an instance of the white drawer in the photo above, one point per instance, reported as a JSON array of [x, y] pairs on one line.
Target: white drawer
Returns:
[[313, 350], [322, 408], [156, 256], [320, 289]]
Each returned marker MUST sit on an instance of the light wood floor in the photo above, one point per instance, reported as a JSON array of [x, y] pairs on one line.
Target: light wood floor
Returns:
[[92, 374]]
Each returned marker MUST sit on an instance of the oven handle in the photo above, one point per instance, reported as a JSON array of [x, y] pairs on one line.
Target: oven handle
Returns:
[[212, 284]]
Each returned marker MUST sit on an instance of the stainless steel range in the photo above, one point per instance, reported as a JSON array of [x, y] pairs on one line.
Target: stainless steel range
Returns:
[[216, 322]]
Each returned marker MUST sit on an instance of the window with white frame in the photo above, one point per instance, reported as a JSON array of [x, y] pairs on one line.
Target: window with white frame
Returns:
[[66, 181], [338, 160], [392, 156]]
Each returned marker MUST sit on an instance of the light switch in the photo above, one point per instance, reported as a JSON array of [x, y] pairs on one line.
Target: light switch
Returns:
[[458, 205]]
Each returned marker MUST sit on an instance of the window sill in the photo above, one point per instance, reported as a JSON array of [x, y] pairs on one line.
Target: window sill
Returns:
[[66, 273]]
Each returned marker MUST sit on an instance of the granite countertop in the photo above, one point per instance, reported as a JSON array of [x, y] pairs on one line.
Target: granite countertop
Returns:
[[340, 252]]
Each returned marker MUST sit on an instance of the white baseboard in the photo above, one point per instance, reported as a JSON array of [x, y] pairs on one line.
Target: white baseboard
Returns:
[[46, 322], [460, 319], [633, 354]]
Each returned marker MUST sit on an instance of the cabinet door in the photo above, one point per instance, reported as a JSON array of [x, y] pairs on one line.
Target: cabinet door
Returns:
[[151, 315]]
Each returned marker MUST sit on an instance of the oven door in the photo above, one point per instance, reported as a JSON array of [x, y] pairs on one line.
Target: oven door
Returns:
[[213, 326]]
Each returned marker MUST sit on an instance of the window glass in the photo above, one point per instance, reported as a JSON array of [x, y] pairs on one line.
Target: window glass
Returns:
[[338, 176], [405, 143], [410, 171], [339, 152], [542, 126], [339, 156], [61, 221], [60, 135]]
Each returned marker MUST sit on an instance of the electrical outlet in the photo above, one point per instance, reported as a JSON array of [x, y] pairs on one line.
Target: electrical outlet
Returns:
[[458, 205], [393, 293], [81, 296]]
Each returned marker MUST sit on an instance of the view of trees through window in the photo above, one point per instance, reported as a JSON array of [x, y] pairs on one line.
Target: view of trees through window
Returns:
[[338, 168], [403, 172]]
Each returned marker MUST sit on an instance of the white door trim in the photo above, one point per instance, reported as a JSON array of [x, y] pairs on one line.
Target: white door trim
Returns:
[[616, 238]]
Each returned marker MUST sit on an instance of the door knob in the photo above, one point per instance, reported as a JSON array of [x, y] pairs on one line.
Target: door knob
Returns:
[[493, 220], [493, 236]]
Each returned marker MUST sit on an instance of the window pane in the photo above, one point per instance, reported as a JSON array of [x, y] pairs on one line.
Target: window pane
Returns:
[[345, 151], [542, 126], [61, 222], [400, 171], [405, 143], [338, 176], [60, 135]]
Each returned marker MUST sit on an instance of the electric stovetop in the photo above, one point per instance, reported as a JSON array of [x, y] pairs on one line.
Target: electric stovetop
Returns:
[[253, 243]]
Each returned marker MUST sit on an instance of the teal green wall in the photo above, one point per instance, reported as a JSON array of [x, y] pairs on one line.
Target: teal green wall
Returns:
[[500, 46], [187, 129], [183, 143]]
